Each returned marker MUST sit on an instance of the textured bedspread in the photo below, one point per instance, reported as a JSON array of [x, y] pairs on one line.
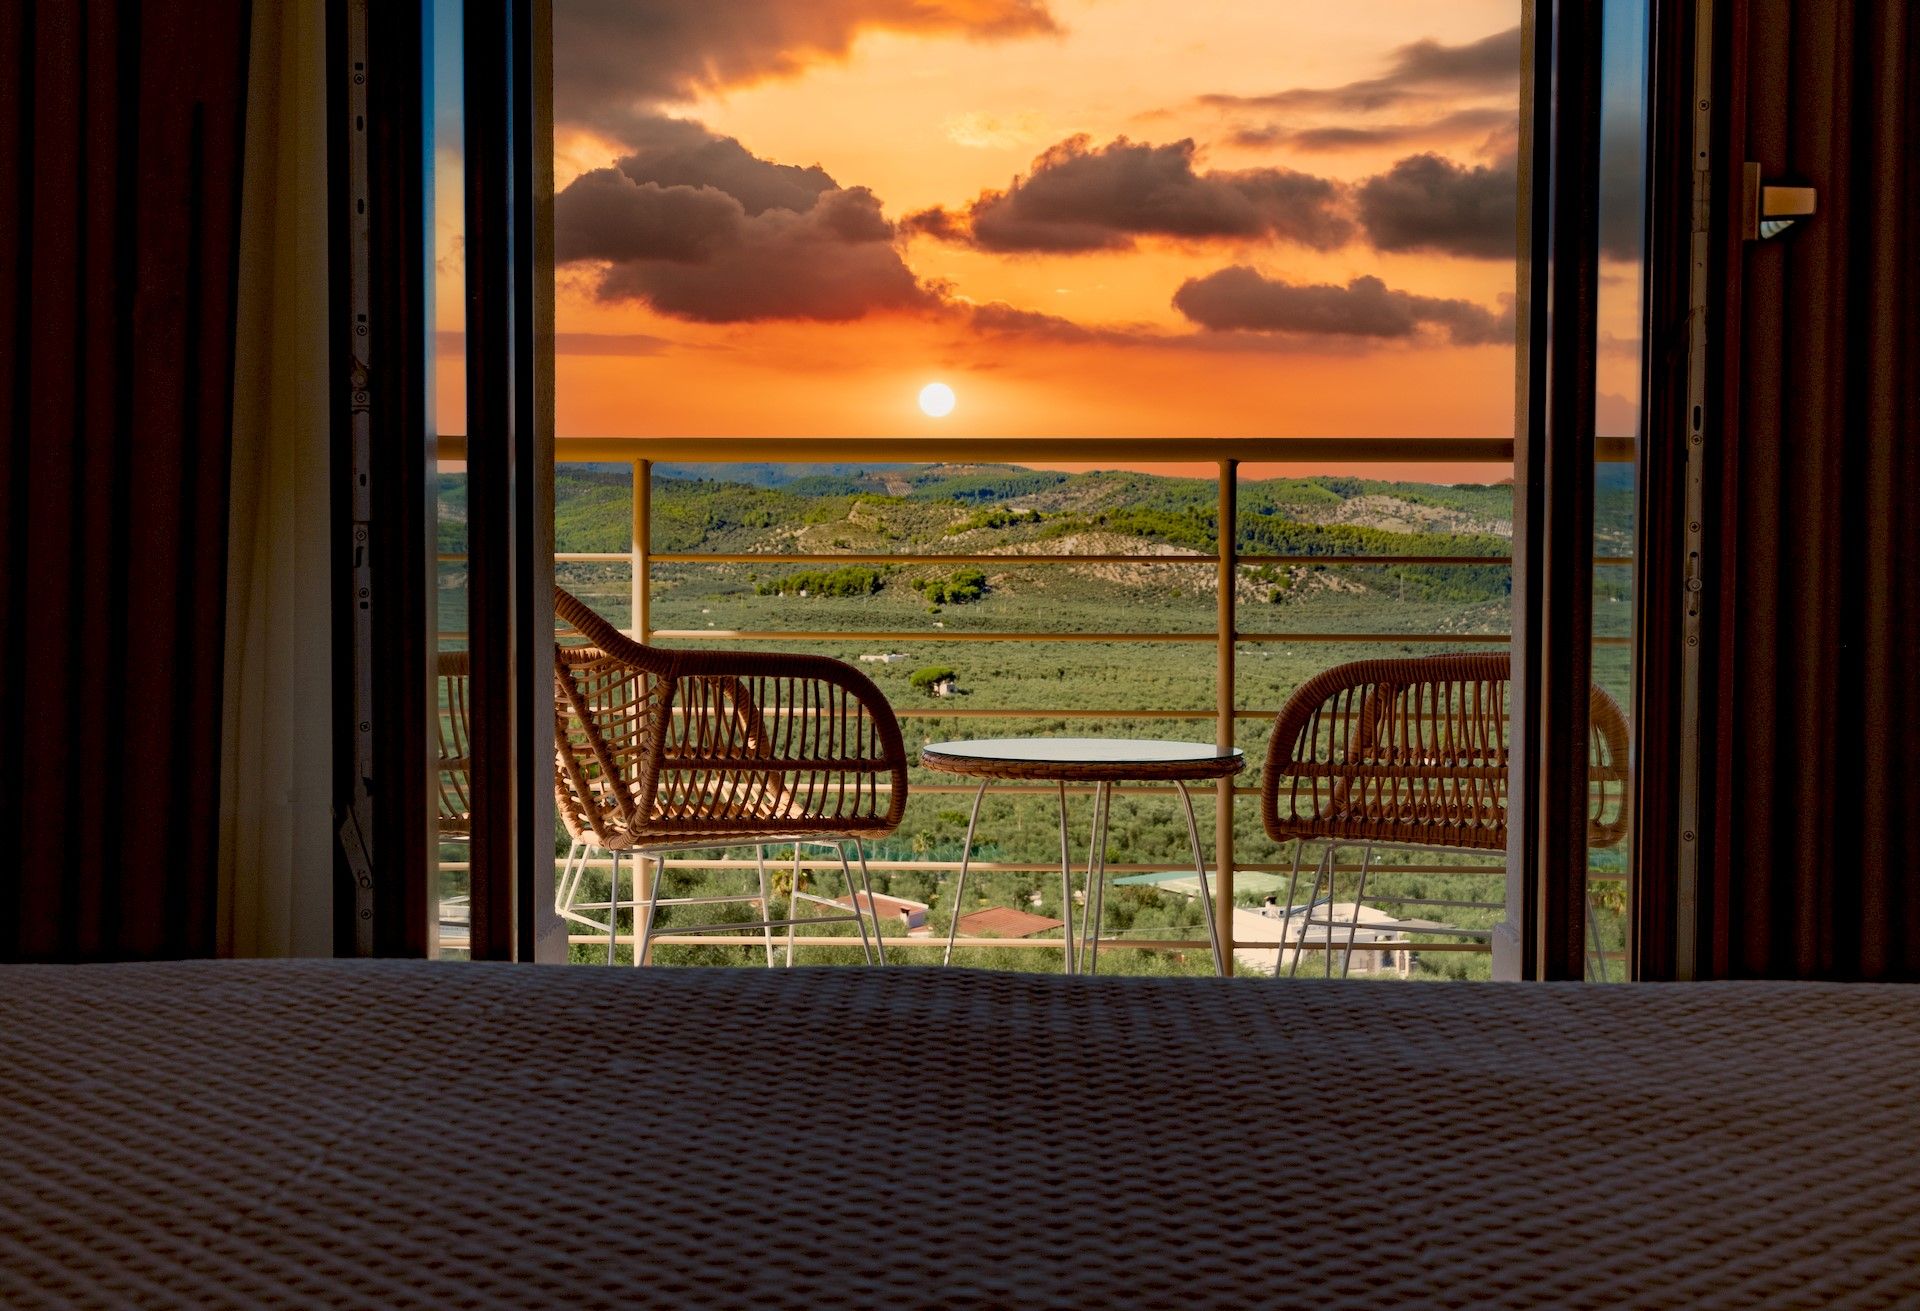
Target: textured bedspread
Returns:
[[414, 1135]]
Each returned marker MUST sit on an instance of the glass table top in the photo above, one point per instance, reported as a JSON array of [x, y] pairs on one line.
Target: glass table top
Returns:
[[1081, 750]]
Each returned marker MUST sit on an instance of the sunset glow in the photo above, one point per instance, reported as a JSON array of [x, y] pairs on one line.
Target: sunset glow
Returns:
[[1159, 218]]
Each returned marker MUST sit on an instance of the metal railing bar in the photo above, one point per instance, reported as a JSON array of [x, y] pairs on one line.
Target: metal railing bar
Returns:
[[850, 557], [1022, 867], [1183, 558], [1112, 867], [1104, 452], [919, 713], [1133, 944], [965, 635], [1349, 561], [918, 635], [1443, 639], [975, 635]]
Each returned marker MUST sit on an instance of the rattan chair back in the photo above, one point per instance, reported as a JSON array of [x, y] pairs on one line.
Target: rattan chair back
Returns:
[[1415, 752], [454, 759], [655, 746]]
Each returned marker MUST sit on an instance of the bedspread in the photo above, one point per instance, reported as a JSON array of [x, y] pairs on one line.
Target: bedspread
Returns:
[[405, 1134]]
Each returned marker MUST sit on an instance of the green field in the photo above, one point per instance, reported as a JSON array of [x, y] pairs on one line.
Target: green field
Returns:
[[1004, 511]]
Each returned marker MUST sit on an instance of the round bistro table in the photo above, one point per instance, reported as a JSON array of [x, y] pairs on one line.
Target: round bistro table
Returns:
[[1102, 761]]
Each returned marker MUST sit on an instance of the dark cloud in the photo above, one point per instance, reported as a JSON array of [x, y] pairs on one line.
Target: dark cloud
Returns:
[[1080, 197], [1500, 124], [676, 152], [999, 319], [616, 61], [1241, 299], [698, 227], [1429, 203], [604, 214], [695, 253], [1420, 72]]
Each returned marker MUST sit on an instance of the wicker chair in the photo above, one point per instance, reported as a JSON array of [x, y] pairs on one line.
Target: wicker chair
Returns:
[[1412, 753], [455, 757], [659, 751]]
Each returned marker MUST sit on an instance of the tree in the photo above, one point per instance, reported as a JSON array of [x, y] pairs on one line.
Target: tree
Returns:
[[926, 679], [965, 585]]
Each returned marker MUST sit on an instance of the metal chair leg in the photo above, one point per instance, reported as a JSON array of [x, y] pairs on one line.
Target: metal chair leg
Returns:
[[564, 887], [866, 881], [766, 901], [1597, 968], [1293, 885], [853, 895], [793, 902], [1200, 870], [1096, 907], [613, 908], [960, 886], [1066, 889], [1353, 925], [643, 934], [1333, 899], [1327, 859]]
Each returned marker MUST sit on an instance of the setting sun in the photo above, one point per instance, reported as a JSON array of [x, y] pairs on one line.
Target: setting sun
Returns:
[[936, 400]]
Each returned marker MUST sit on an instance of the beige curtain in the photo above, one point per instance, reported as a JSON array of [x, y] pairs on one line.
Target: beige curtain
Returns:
[[276, 846]]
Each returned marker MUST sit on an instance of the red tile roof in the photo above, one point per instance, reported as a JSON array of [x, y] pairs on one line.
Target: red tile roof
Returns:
[[1004, 922]]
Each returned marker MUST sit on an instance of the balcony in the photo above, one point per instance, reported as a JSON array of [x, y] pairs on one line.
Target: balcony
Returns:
[[1067, 604]]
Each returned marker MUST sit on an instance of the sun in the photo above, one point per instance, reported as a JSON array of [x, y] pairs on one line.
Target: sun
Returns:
[[936, 400]]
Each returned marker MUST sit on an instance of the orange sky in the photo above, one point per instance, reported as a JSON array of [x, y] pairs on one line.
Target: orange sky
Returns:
[[930, 105]]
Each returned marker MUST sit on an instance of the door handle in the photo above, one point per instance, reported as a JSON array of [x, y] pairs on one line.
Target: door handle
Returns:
[[1769, 211]]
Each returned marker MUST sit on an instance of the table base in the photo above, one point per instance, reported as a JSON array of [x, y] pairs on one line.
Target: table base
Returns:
[[1073, 954]]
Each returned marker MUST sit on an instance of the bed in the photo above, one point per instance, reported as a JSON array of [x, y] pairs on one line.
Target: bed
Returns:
[[405, 1134]]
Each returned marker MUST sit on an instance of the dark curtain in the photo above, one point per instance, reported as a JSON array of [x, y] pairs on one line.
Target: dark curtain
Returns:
[[120, 156], [1814, 867]]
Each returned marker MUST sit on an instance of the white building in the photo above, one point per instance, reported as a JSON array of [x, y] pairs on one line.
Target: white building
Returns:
[[1379, 946]]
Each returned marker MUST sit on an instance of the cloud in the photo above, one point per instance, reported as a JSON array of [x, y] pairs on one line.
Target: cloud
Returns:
[[619, 60], [1420, 72], [695, 253], [1080, 197], [1500, 124], [1241, 299], [1429, 203], [675, 152], [999, 319], [699, 228], [604, 214]]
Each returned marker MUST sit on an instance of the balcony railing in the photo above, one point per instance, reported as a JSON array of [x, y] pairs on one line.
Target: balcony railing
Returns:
[[1224, 458]]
